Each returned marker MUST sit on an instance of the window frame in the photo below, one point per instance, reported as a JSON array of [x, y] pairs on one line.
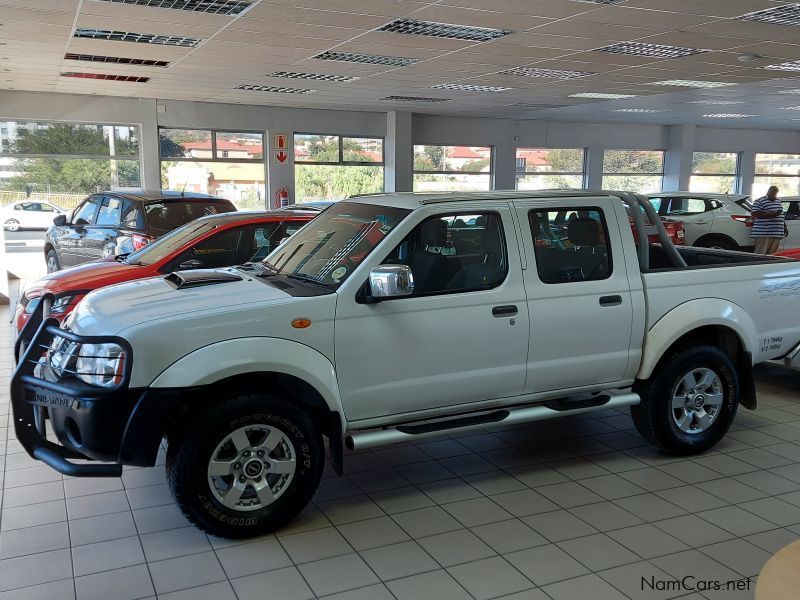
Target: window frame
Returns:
[[214, 157], [490, 172], [604, 222], [91, 198], [340, 139], [737, 178], [783, 176], [106, 200], [518, 173]]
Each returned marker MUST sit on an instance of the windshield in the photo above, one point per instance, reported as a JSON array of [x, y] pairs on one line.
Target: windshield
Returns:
[[745, 203], [330, 247], [165, 216], [166, 245]]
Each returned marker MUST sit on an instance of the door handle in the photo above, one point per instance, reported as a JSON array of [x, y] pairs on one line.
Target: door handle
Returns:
[[610, 300], [702, 222], [504, 311]]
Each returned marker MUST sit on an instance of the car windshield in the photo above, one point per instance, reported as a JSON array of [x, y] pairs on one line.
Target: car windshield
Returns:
[[330, 247], [166, 245], [168, 215], [745, 203]]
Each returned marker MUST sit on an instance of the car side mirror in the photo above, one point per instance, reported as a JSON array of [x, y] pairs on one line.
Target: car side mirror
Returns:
[[192, 263], [81, 223], [391, 281], [60, 220]]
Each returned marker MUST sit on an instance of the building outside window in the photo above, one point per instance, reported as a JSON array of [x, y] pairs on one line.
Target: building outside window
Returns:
[[714, 172], [62, 162], [782, 170], [332, 167], [640, 171], [452, 168], [554, 168], [228, 164]]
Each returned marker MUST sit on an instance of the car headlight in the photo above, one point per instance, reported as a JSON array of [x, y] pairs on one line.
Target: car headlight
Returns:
[[100, 364], [60, 305]]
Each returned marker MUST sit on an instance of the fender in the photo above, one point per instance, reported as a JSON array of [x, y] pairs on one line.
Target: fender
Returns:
[[690, 316], [211, 363]]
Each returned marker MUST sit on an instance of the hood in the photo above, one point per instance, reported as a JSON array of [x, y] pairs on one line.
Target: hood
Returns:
[[110, 310], [89, 276]]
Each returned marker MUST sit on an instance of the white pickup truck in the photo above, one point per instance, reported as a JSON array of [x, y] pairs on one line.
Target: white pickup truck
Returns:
[[392, 318]]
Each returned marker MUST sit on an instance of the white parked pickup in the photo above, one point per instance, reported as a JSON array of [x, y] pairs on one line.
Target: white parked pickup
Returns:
[[392, 318]]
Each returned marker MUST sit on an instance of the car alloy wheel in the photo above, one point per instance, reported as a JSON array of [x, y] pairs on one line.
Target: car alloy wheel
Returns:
[[696, 400], [12, 225]]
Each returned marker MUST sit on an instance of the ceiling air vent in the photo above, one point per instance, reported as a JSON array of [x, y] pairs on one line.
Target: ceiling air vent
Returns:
[[691, 83], [414, 99], [141, 38], [653, 50], [717, 102], [367, 59], [548, 73], [216, 7], [467, 87], [105, 77], [606, 2], [602, 96], [272, 88], [312, 76], [793, 65], [116, 59], [728, 116], [444, 30], [532, 106], [788, 14]]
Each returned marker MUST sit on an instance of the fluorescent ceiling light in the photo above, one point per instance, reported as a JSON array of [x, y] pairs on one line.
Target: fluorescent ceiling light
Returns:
[[691, 83], [141, 38], [791, 108], [639, 110], [466, 87], [535, 106], [216, 7], [716, 102], [792, 65], [602, 96], [606, 2], [367, 59], [728, 116], [653, 50], [444, 30], [116, 59], [547, 73], [414, 99], [312, 76], [788, 14], [106, 77], [272, 88]]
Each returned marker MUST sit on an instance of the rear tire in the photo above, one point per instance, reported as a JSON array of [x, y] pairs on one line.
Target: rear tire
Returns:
[[719, 242], [690, 401], [53, 264], [246, 467]]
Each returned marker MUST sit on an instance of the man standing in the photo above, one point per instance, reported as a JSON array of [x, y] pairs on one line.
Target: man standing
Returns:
[[769, 225]]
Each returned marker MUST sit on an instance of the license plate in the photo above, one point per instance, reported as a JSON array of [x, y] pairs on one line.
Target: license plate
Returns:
[[49, 398]]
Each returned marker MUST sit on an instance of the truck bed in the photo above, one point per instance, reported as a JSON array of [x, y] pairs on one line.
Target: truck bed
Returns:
[[707, 257]]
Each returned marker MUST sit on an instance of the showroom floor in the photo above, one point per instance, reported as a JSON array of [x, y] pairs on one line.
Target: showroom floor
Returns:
[[570, 509]]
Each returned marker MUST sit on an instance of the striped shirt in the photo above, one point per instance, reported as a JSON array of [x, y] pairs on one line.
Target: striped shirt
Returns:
[[771, 227]]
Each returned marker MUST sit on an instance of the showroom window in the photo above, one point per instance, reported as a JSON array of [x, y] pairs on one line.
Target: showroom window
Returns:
[[553, 168], [228, 164], [782, 170], [332, 167], [714, 172], [640, 171], [62, 162], [452, 168]]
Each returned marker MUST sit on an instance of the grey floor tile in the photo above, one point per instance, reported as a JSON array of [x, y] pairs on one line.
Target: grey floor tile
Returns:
[[695, 564], [63, 589], [401, 500], [455, 547], [568, 494], [173, 543], [768, 482], [598, 552], [376, 481], [494, 482], [468, 464], [424, 472], [726, 464], [546, 564], [449, 490], [731, 490], [80, 507], [774, 510], [402, 455], [84, 486], [559, 525], [315, 545], [509, 536], [150, 495], [490, 578], [159, 518], [736, 520], [32, 494], [536, 475], [186, 571], [443, 448], [133, 478], [128, 584], [693, 531], [772, 540], [25, 477], [650, 507], [617, 462], [101, 528], [214, 591], [578, 468], [282, 584], [648, 541], [524, 503], [606, 516], [509, 458], [740, 555], [587, 586], [372, 533], [692, 497], [632, 580], [33, 540], [350, 509], [253, 557], [336, 487], [105, 556], [689, 471], [399, 560], [761, 458], [426, 521], [33, 515], [436, 585], [371, 592], [26, 571], [338, 574], [652, 479], [611, 487], [478, 511], [309, 519]]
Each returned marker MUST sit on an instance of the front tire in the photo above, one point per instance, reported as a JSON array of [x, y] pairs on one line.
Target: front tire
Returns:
[[53, 264], [11, 225], [246, 467], [690, 401]]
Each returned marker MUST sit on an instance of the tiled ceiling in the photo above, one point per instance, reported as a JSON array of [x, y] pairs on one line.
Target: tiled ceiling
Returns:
[[473, 48]]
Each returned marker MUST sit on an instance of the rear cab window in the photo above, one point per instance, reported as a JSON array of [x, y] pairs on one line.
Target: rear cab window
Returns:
[[167, 215]]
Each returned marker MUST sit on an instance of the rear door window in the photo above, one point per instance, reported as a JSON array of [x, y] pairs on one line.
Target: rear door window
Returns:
[[220, 250], [687, 206], [131, 216], [110, 212]]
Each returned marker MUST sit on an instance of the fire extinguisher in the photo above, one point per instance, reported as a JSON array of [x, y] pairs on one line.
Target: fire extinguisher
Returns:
[[282, 197]]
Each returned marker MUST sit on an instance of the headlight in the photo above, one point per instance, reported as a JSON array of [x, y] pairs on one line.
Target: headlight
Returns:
[[60, 305], [100, 364]]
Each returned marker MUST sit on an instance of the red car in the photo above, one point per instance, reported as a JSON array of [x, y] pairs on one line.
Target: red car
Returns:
[[209, 242], [790, 253]]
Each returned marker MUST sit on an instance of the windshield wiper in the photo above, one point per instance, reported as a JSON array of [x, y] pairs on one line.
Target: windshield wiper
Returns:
[[266, 269], [308, 278]]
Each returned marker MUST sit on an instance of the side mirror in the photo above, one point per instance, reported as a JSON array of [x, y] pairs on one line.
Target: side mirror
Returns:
[[391, 281], [60, 220], [190, 264], [81, 223]]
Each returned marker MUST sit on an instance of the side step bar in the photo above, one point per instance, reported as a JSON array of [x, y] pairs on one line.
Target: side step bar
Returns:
[[358, 440]]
